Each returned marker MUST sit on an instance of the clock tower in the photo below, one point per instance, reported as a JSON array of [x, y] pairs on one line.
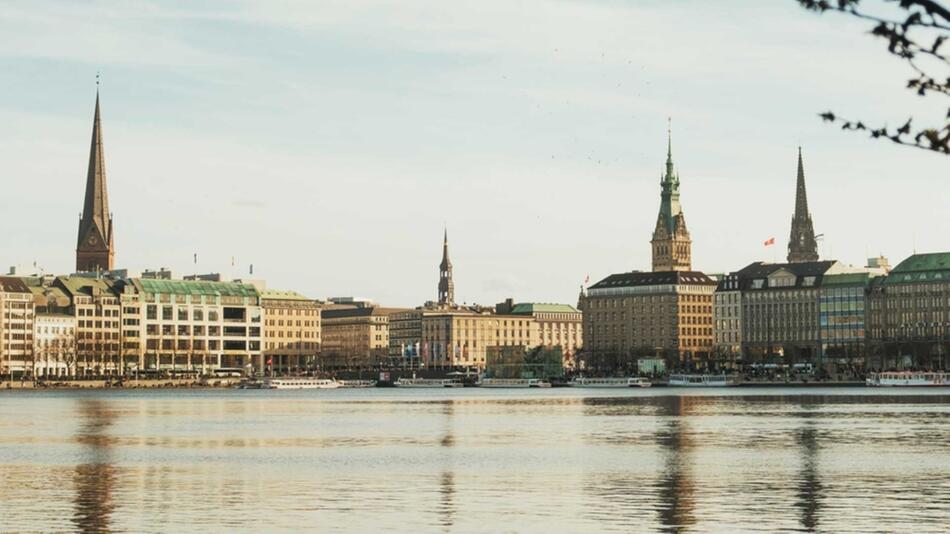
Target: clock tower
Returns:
[[95, 249]]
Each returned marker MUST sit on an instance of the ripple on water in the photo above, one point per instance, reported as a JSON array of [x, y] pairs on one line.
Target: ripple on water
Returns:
[[471, 461]]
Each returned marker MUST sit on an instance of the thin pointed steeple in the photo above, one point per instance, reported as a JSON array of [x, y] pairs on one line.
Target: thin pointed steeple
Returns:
[[446, 285], [94, 247], [802, 245]]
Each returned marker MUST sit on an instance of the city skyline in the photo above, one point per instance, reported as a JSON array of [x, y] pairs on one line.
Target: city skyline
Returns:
[[169, 208]]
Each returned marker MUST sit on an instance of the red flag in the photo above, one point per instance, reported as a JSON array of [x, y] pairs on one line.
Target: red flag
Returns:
[[270, 361], [770, 241]]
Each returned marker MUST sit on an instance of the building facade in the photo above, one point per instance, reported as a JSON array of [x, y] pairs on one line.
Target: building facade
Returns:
[[54, 351], [16, 328], [355, 336], [95, 246], [632, 315], [291, 340], [779, 317], [557, 325], [727, 318], [462, 337], [94, 302], [842, 305], [190, 327], [802, 246], [405, 337], [908, 314]]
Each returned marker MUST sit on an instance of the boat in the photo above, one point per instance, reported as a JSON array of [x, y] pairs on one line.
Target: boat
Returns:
[[300, 383], [513, 383], [357, 383], [610, 382], [701, 381], [909, 378], [427, 383]]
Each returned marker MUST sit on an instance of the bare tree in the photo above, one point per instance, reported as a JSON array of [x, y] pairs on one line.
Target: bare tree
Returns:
[[916, 36]]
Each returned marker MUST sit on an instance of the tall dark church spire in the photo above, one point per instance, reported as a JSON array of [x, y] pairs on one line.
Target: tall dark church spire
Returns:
[[446, 285], [801, 243], [95, 249]]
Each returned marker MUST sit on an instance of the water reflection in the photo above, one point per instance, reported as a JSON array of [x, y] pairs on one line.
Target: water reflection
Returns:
[[809, 486], [447, 478], [94, 478], [676, 486]]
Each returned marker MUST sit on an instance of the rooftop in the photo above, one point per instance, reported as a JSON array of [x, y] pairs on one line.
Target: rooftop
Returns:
[[194, 287], [10, 284], [647, 278], [527, 308], [276, 294], [921, 268]]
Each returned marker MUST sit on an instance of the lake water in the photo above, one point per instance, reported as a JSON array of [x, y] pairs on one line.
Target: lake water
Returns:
[[560, 460]]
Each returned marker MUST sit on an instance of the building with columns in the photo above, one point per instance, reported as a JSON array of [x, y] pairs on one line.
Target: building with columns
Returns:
[[95, 245]]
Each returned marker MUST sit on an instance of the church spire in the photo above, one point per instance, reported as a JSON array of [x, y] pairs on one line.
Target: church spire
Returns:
[[802, 246], [94, 247], [446, 285]]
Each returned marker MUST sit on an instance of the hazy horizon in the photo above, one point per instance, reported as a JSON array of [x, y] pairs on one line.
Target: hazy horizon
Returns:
[[330, 146]]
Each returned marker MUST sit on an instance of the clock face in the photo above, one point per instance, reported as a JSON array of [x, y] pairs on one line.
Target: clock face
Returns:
[[92, 240]]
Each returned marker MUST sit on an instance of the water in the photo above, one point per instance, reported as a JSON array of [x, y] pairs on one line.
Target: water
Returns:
[[561, 460]]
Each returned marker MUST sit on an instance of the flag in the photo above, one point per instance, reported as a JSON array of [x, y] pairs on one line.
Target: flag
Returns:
[[587, 279], [770, 241], [270, 361]]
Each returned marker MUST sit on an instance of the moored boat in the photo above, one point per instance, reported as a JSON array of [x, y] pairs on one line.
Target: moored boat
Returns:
[[427, 383], [300, 383], [513, 383], [610, 382], [701, 381], [909, 378]]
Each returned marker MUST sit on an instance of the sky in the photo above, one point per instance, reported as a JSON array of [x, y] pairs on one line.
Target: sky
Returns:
[[330, 143]]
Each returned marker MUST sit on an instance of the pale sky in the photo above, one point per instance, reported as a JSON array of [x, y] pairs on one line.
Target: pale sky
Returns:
[[327, 143]]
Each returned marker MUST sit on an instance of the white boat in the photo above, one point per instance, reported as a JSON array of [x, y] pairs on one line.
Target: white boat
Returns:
[[610, 382], [427, 383], [513, 383], [300, 383], [357, 383], [909, 378], [700, 381]]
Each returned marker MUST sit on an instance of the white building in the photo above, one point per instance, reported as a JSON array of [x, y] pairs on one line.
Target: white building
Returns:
[[54, 345]]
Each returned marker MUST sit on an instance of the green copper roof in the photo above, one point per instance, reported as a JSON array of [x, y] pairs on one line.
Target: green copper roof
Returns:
[[528, 308], [190, 287], [275, 294], [921, 268]]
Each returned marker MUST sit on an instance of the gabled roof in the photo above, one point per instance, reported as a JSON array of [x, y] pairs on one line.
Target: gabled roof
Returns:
[[12, 284], [82, 285], [641, 278]]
